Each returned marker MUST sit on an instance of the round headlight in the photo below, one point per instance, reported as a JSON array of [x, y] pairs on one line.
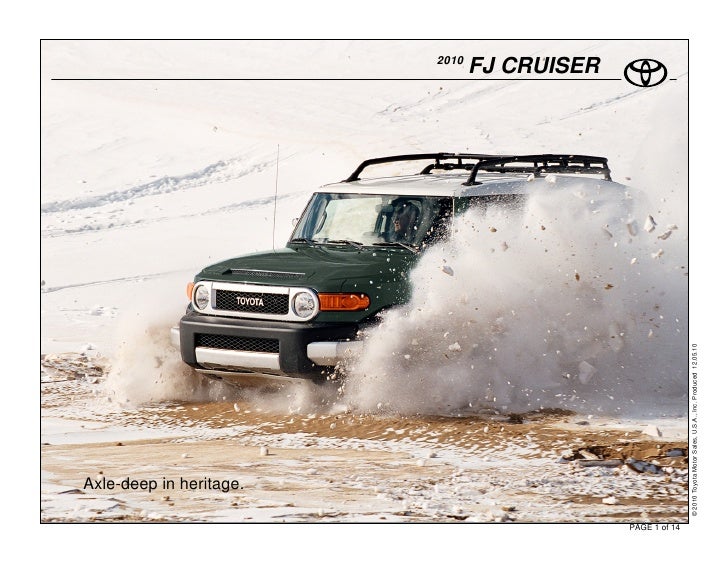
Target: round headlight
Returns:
[[304, 304], [201, 297]]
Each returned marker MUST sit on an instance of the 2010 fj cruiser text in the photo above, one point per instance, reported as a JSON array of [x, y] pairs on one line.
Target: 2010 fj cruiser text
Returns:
[[297, 312]]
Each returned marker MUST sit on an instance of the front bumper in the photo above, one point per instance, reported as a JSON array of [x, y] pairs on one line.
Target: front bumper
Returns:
[[310, 350]]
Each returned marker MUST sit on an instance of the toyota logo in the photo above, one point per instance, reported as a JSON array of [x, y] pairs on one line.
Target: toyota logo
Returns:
[[645, 73]]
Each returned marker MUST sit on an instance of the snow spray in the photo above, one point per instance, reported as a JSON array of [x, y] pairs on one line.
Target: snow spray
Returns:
[[146, 367], [577, 301]]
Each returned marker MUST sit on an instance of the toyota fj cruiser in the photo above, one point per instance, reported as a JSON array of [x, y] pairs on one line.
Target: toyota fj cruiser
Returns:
[[297, 312]]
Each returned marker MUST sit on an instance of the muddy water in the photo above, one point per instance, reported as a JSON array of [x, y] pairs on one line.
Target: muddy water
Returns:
[[258, 457]]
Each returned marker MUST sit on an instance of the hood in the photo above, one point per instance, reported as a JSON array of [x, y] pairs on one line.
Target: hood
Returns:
[[320, 267]]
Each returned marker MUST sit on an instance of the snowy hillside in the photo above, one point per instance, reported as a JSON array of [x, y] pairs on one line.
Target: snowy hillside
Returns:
[[145, 181]]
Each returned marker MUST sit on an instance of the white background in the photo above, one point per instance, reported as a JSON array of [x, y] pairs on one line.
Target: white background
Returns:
[[222, 21]]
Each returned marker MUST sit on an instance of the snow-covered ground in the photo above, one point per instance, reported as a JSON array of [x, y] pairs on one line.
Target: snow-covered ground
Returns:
[[146, 180]]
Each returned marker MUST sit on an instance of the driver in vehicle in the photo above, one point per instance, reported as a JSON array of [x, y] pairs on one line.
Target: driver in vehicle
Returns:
[[404, 222]]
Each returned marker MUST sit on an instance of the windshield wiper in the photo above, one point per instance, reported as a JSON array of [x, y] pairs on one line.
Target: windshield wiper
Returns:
[[410, 247], [307, 241], [343, 241]]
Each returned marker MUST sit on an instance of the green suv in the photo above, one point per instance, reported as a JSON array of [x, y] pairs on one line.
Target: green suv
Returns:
[[298, 312]]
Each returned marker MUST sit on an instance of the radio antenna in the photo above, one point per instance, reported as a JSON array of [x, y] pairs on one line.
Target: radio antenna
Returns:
[[275, 197]]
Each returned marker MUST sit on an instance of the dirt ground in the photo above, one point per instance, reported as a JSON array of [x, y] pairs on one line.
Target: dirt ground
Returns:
[[233, 460]]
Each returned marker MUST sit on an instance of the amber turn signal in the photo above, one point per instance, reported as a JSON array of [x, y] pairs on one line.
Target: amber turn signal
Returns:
[[343, 301], [190, 286]]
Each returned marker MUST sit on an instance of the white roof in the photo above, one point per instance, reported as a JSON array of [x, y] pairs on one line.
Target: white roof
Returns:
[[451, 184]]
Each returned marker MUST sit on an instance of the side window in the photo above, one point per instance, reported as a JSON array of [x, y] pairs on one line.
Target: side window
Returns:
[[437, 228], [313, 218], [405, 220]]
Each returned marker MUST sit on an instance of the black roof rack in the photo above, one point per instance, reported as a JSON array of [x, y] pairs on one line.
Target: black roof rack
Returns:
[[438, 157], [539, 164]]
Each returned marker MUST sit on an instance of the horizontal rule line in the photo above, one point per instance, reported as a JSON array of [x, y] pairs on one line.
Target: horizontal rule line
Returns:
[[318, 79]]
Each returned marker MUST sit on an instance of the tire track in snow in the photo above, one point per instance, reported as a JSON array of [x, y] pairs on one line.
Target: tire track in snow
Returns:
[[218, 172], [608, 102], [142, 277], [89, 228], [443, 100]]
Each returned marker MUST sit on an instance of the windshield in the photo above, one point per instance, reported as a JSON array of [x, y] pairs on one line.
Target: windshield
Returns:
[[374, 219]]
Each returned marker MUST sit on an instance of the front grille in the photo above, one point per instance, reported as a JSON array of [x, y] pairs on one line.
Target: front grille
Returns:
[[240, 343], [270, 303]]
